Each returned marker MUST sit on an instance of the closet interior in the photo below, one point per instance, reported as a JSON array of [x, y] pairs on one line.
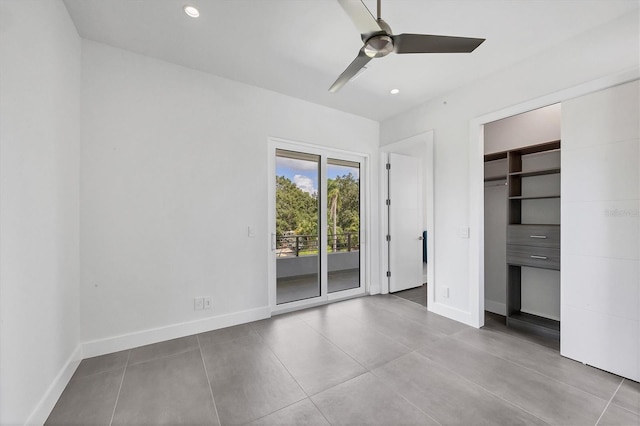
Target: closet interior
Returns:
[[522, 221]]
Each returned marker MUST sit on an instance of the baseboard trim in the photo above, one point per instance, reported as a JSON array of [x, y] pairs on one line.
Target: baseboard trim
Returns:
[[145, 337], [40, 414], [452, 313], [495, 307]]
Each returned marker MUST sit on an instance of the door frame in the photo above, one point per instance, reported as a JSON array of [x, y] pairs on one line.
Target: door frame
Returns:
[[425, 142], [475, 316], [365, 231]]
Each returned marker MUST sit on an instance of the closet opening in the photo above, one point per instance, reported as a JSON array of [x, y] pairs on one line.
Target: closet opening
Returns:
[[522, 225]]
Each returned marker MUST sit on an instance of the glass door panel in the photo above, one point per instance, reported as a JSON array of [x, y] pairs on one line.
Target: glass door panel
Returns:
[[343, 225], [297, 225]]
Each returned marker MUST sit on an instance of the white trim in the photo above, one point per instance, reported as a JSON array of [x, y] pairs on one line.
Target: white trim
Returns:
[[476, 181], [383, 214], [160, 334], [44, 407], [426, 138], [450, 312]]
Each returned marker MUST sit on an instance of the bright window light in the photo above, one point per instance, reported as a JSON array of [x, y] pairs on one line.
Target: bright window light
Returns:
[[191, 11]]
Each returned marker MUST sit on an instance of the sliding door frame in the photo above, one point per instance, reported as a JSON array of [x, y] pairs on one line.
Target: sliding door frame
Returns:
[[365, 231]]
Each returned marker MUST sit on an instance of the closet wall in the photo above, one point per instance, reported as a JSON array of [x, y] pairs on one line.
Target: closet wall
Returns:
[[540, 287], [601, 229]]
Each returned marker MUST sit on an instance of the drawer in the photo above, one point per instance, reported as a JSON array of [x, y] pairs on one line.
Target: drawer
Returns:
[[537, 257], [534, 235]]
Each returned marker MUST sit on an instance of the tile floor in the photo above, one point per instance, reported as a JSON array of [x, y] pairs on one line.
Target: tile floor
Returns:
[[417, 295], [373, 360]]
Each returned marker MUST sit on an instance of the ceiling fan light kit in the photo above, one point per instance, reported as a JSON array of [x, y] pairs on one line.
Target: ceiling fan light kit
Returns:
[[379, 41], [191, 11]]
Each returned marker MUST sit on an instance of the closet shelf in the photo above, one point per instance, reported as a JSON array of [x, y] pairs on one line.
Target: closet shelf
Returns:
[[495, 178], [540, 172], [537, 197]]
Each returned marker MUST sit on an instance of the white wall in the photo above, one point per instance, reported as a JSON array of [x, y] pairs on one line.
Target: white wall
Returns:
[[39, 167], [603, 51], [530, 128], [601, 229], [174, 170]]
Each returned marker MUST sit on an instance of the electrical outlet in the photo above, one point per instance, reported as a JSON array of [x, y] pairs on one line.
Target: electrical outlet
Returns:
[[198, 303], [251, 231], [445, 292], [207, 302], [464, 232]]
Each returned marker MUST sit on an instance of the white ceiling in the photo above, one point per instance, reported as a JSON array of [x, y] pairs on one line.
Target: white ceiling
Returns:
[[299, 47]]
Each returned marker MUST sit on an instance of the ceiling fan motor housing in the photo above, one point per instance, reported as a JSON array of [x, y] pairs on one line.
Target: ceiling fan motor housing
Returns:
[[378, 46]]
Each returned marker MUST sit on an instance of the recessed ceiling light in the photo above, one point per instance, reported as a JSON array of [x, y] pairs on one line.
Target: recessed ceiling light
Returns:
[[191, 11], [394, 91]]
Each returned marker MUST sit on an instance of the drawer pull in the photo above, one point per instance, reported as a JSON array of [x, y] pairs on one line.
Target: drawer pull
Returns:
[[538, 257], [543, 237]]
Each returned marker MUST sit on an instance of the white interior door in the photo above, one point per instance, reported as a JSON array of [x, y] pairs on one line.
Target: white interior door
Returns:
[[405, 223]]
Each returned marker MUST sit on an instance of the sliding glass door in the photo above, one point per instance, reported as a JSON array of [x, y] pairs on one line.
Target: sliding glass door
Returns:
[[316, 203], [343, 225], [297, 225]]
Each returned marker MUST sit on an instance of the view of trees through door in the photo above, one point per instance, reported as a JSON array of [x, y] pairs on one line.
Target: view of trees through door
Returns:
[[343, 222], [299, 254]]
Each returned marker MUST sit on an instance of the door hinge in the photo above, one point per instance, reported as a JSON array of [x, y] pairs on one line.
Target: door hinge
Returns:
[[388, 273], [388, 202], [388, 166], [388, 237]]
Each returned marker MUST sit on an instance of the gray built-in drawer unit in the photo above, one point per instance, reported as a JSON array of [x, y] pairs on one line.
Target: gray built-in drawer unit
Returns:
[[536, 257], [534, 235], [537, 246]]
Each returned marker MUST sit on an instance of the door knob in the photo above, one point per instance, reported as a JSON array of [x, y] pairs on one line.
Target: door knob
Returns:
[[420, 237]]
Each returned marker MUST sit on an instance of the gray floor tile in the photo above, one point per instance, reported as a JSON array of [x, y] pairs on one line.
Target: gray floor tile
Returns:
[[628, 396], [447, 397], [315, 362], [87, 400], [99, 364], [552, 401], [302, 413], [265, 326], [412, 311], [616, 416], [225, 334], [247, 380], [260, 371], [495, 322], [403, 330], [416, 295], [161, 349], [365, 400], [543, 360], [171, 390], [362, 343]]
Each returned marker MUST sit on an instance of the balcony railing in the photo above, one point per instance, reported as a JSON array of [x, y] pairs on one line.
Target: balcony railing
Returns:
[[301, 245]]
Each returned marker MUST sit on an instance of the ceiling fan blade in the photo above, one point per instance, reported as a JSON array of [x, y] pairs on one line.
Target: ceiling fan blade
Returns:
[[358, 63], [425, 43], [361, 16]]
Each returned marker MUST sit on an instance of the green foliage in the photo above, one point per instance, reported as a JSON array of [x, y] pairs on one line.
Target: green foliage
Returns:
[[297, 210]]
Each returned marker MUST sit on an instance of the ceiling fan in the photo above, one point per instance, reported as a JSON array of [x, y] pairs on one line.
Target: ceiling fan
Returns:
[[379, 41]]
